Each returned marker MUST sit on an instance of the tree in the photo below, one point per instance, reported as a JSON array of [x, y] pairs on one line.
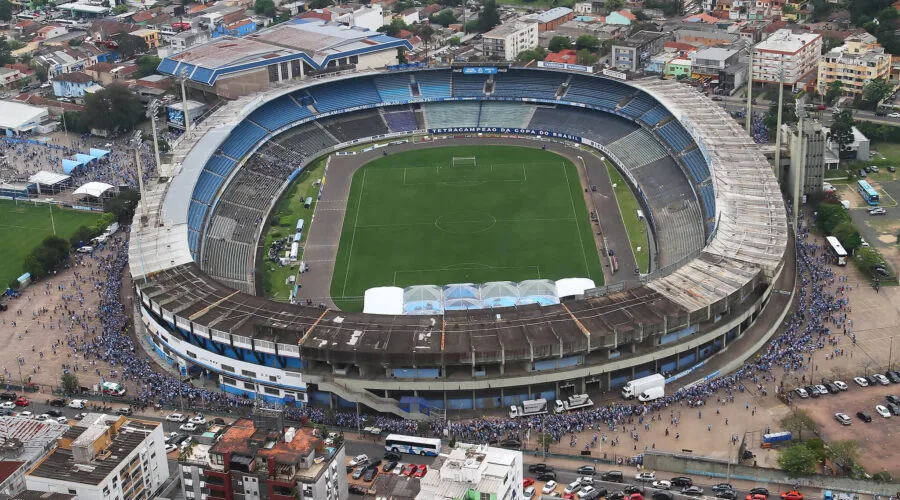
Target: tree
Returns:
[[454, 41], [876, 91], [641, 16], [445, 17], [69, 383], [163, 145], [489, 16], [842, 129], [833, 91], [5, 52], [264, 7], [425, 32], [5, 10], [845, 451], [614, 5], [799, 420], [535, 54], [544, 440], [817, 447], [129, 45], [788, 112], [120, 9], [33, 267], [114, 108], [829, 217], [81, 236], [320, 4], [394, 27], [867, 259], [797, 460], [123, 205], [848, 235], [588, 42], [586, 58], [147, 65], [558, 43]]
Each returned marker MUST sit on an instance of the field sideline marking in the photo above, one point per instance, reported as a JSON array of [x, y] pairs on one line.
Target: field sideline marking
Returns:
[[448, 268], [587, 268], [362, 190]]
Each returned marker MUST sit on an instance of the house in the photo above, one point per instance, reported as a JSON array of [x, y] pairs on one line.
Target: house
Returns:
[[240, 28], [69, 59], [149, 36], [551, 19], [430, 10], [103, 29], [107, 73], [186, 39], [10, 77], [323, 14], [565, 56], [622, 18], [410, 16], [51, 31], [72, 84]]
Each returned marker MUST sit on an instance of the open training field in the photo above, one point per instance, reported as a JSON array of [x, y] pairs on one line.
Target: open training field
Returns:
[[25, 225], [414, 218]]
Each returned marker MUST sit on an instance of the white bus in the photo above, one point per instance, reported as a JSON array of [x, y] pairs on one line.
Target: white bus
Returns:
[[836, 251], [399, 443]]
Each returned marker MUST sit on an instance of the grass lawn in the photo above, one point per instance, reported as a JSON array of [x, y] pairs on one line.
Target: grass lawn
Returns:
[[25, 225], [415, 219], [636, 228], [283, 223]]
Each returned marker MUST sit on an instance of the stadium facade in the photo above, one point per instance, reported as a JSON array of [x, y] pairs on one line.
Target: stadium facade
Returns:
[[714, 205]]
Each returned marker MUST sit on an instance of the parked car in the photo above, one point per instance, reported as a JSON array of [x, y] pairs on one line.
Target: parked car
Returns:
[[539, 468], [895, 409], [883, 411], [572, 487], [722, 487], [682, 482], [616, 495], [586, 480], [529, 492], [513, 444], [631, 490], [549, 486], [586, 492], [792, 495], [395, 457], [662, 485], [190, 427], [614, 476], [21, 401], [370, 474], [692, 491], [893, 399], [882, 379], [125, 410], [78, 404], [389, 466], [409, 470], [546, 476], [661, 495], [586, 470], [358, 473], [841, 385], [198, 419], [877, 211], [760, 491], [58, 402], [822, 389], [647, 477], [813, 392], [421, 470], [832, 389], [726, 494], [843, 418], [8, 396], [175, 417], [801, 392], [871, 380], [893, 376], [7, 405], [359, 460], [860, 381], [54, 413], [865, 417], [170, 448]]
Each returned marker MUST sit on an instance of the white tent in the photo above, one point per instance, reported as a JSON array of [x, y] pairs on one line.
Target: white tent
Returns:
[[95, 189], [569, 287], [48, 178], [383, 300]]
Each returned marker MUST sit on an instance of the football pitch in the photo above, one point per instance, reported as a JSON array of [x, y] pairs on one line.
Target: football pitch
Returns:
[[415, 218], [24, 225]]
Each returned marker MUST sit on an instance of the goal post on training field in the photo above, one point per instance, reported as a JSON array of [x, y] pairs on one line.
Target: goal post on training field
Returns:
[[464, 161]]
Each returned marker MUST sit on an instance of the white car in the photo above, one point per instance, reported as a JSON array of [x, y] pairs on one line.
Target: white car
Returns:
[[189, 427], [199, 420], [398, 469], [843, 418], [529, 492], [78, 404], [883, 411], [893, 115], [170, 448], [882, 379], [42, 417], [26, 414], [841, 385], [8, 405], [861, 381], [586, 480], [662, 485], [572, 487], [647, 477], [549, 486], [176, 417], [585, 491], [823, 391], [62, 420], [359, 460], [801, 392]]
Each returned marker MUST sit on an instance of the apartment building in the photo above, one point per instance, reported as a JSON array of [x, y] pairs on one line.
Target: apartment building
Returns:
[[510, 38], [474, 471], [796, 55], [855, 63]]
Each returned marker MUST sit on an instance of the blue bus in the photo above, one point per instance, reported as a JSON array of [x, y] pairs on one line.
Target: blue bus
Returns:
[[411, 444], [867, 192]]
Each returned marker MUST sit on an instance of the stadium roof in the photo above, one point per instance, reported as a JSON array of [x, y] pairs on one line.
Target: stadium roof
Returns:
[[20, 117], [312, 40], [384, 300]]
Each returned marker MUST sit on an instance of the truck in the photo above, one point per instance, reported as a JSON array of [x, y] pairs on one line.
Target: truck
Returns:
[[635, 387], [573, 403], [528, 408], [652, 394]]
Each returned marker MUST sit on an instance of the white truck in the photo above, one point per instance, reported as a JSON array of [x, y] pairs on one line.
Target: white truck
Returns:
[[652, 394], [635, 387], [573, 403], [528, 408]]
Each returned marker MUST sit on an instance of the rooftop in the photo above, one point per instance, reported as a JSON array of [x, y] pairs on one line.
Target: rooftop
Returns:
[[553, 14], [244, 438], [74, 77], [42, 495], [787, 42], [640, 38], [508, 28]]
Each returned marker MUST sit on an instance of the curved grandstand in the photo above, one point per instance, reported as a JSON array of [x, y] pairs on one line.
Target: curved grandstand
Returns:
[[713, 202]]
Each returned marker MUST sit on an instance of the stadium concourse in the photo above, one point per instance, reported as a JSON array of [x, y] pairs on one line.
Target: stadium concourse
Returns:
[[697, 176]]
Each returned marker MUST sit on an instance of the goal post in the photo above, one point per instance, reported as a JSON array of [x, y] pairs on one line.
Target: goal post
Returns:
[[464, 161]]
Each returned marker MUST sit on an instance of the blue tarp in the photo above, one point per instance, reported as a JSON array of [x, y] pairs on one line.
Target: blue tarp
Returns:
[[83, 158], [70, 165], [98, 153]]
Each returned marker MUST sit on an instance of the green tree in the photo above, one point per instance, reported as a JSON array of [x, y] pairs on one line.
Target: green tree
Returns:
[[798, 420], [33, 267], [833, 91], [147, 65], [842, 129], [163, 145], [797, 460], [320, 4], [114, 108], [788, 112], [867, 259], [5, 52], [586, 58], [544, 440], [123, 205], [394, 27], [845, 451], [876, 91], [425, 33], [129, 45], [264, 7], [454, 41], [588, 42], [558, 43], [489, 16], [445, 17], [817, 447], [535, 54], [120, 9], [829, 217], [81, 236], [69, 383], [5, 10], [614, 5], [73, 122], [848, 235]]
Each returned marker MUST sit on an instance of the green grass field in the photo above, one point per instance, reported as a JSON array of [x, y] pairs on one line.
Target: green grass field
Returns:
[[25, 225], [636, 228], [283, 222], [415, 219]]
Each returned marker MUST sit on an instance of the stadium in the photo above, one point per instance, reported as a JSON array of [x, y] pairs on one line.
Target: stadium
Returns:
[[717, 218]]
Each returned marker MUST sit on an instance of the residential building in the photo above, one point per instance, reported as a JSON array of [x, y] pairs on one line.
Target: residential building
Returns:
[[410, 16], [788, 57], [187, 39], [551, 19], [149, 36], [856, 150], [807, 153], [258, 458], [510, 38], [474, 471], [9, 77], [705, 38], [369, 17], [633, 53], [709, 62], [588, 7], [105, 457], [25, 439], [855, 63], [108, 73], [52, 31], [679, 68], [72, 84], [239, 28], [621, 18], [12, 477]]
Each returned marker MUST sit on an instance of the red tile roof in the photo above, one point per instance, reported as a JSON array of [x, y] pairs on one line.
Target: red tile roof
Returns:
[[566, 56], [8, 468]]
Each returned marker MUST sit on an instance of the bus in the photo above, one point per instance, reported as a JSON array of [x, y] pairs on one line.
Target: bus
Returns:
[[836, 251], [398, 443], [867, 192]]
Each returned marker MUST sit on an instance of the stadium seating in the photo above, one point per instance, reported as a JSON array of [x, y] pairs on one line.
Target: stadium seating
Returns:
[[655, 115], [342, 94], [596, 92], [600, 127], [196, 213], [433, 84], [708, 200], [228, 261], [355, 125], [675, 136], [193, 242], [207, 186], [640, 104], [220, 165], [242, 139], [401, 120], [536, 84], [637, 149], [456, 114], [468, 85], [505, 114], [306, 140], [393, 87], [696, 166], [278, 113]]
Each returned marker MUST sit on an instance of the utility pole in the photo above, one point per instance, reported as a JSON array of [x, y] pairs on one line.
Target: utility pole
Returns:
[[52, 222], [799, 172], [152, 110], [184, 104], [778, 124], [136, 142], [747, 119]]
